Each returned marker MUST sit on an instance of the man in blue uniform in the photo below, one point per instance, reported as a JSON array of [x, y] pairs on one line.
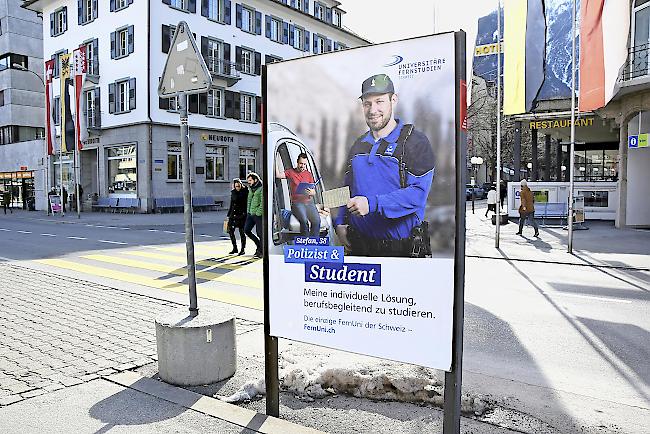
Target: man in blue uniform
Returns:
[[390, 171]]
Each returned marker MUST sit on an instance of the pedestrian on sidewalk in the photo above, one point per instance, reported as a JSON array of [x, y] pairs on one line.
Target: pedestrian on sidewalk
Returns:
[[527, 208], [50, 193], [491, 200], [237, 214], [254, 208], [6, 201], [503, 192]]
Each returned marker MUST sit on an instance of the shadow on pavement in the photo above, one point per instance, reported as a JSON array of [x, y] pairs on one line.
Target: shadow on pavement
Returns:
[[128, 408], [601, 291], [627, 341]]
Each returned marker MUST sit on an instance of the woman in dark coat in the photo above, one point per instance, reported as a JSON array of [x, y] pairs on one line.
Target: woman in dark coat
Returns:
[[237, 214]]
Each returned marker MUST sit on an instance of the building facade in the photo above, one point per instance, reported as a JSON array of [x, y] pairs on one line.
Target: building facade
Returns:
[[22, 167], [133, 147]]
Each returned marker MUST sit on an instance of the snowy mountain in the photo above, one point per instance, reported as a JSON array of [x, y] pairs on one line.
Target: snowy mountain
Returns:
[[557, 81]]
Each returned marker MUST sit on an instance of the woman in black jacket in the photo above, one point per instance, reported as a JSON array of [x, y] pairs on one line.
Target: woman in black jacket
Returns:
[[237, 214]]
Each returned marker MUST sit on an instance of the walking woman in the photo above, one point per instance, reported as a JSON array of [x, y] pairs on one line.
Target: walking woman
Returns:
[[237, 214], [254, 210]]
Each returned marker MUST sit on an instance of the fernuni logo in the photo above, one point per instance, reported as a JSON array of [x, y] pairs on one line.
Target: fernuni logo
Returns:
[[411, 69], [394, 61]]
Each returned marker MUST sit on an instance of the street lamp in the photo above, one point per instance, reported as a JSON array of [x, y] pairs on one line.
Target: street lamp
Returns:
[[22, 68], [476, 162]]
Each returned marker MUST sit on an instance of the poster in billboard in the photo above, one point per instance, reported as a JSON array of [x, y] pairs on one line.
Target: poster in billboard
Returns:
[[360, 149]]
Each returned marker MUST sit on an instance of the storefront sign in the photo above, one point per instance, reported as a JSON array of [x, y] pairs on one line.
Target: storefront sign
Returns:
[[221, 138], [23, 167], [486, 50], [376, 276], [560, 123]]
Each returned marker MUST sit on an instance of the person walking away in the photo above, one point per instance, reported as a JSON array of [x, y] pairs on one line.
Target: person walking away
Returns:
[[6, 201], [491, 201], [237, 214], [503, 192], [302, 202], [527, 208], [254, 207]]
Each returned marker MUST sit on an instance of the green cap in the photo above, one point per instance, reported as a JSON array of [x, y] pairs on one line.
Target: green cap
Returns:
[[377, 84]]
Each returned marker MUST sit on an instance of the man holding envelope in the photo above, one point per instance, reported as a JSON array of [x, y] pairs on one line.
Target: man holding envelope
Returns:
[[302, 190]]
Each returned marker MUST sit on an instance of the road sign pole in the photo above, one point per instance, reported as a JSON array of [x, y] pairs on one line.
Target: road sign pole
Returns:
[[187, 203]]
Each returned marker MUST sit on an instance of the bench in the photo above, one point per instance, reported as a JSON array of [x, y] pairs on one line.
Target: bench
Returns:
[[551, 210], [103, 203], [128, 204], [172, 204]]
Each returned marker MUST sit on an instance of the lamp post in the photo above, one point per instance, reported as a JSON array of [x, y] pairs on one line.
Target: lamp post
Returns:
[[476, 162]]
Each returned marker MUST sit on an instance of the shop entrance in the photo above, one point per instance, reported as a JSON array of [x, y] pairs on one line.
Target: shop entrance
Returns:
[[21, 187]]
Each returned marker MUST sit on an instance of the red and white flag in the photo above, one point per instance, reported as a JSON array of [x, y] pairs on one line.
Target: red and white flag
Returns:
[[604, 26], [79, 66], [50, 131]]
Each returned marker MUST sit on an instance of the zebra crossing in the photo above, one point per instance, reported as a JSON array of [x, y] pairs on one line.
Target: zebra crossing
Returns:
[[222, 277]]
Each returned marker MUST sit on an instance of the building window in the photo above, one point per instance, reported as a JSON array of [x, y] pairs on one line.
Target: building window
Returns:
[[247, 19], [214, 56], [271, 59], [215, 9], [87, 11], [174, 165], [247, 61], [122, 42], [276, 30], [595, 199], [122, 169], [57, 63], [336, 18], [121, 96], [173, 104], [56, 108], [338, 46], [300, 4], [215, 102], [2, 98], [215, 163], [298, 38], [121, 4], [180, 4], [247, 108], [319, 11], [92, 57], [247, 162], [59, 21], [320, 44], [92, 112], [7, 61]]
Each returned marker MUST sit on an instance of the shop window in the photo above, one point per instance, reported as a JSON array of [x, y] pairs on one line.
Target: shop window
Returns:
[[247, 162], [595, 199], [215, 163], [174, 165], [122, 169]]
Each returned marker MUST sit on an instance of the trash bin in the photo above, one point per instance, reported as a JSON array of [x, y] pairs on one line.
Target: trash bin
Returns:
[[504, 219]]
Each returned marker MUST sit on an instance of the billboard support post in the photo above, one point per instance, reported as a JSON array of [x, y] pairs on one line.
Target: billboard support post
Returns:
[[271, 374], [453, 378]]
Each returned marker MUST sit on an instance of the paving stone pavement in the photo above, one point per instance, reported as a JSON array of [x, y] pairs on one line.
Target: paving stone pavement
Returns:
[[59, 331]]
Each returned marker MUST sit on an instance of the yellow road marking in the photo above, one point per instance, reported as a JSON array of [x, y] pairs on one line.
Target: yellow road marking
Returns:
[[169, 269], [202, 291], [242, 264]]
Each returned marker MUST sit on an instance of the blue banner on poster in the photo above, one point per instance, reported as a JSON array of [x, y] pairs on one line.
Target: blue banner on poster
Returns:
[[348, 274], [302, 254]]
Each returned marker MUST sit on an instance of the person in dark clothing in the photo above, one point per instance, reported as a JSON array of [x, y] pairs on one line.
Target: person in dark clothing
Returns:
[[51, 193], [237, 214], [64, 199], [503, 192], [254, 209], [6, 201]]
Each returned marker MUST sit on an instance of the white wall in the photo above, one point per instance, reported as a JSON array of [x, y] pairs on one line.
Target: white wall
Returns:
[[638, 183]]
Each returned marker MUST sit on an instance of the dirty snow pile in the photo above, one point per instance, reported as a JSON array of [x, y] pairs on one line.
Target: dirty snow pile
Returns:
[[314, 376]]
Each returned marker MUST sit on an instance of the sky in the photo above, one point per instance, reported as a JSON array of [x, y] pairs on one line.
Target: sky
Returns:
[[375, 21]]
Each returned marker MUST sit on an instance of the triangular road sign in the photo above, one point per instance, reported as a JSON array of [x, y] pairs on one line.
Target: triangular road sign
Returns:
[[185, 70]]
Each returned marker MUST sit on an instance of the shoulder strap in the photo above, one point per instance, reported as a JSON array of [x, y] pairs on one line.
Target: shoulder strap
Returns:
[[407, 129]]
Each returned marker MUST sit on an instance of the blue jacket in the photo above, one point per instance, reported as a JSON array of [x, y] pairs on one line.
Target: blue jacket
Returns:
[[373, 172]]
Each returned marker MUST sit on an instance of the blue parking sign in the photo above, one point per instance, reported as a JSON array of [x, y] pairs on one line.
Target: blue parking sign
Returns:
[[633, 141]]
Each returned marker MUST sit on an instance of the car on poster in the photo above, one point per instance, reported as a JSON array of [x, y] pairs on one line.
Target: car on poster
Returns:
[[361, 161]]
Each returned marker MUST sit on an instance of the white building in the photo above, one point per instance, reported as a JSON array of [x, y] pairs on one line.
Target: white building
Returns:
[[133, 146]]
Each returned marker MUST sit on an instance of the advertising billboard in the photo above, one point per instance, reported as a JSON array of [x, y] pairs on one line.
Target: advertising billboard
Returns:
[[361, 151]]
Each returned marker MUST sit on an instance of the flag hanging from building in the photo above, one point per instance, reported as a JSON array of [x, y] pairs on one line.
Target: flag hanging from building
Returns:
[[79, 73], [604, 26], [50, 131], [67, 123], [523, 57]]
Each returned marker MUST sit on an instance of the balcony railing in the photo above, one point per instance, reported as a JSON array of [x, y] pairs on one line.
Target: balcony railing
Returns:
[[224, 69], [637, 64]]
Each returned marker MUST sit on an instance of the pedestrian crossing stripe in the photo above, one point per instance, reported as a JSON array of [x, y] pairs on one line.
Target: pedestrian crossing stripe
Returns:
[[202, 291], [170, 269], [249, 264]]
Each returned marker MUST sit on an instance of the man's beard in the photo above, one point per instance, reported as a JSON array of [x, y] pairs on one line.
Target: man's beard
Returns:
[[383, 121]]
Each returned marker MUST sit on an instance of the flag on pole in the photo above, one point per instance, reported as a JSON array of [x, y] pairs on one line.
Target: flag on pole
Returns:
[[604, 26], [524, 57], [50, 131], [67, 123], [79, 72]]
